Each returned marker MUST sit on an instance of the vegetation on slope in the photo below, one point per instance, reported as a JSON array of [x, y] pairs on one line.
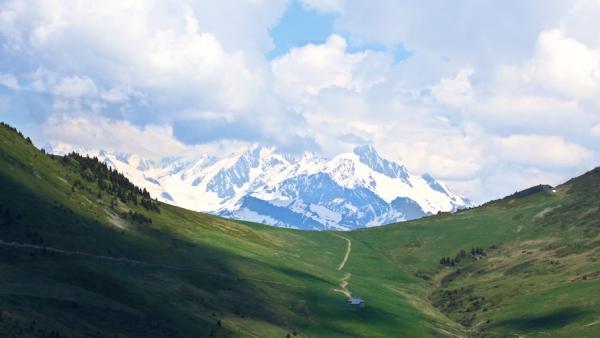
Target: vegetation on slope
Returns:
[[526, 265], [85, 253], [73, 263]]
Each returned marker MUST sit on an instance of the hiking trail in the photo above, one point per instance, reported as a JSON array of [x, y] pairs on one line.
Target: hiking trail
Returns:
[[345, 281]]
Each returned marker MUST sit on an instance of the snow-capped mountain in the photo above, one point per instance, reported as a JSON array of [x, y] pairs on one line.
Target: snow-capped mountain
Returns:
[[351, 190]]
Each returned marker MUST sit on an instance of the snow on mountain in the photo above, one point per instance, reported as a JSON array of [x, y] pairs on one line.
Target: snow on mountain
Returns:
[[351, 190]]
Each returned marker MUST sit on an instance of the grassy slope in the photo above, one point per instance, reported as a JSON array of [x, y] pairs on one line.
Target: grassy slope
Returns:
[[543, 277], [267, 282], [256, 280]]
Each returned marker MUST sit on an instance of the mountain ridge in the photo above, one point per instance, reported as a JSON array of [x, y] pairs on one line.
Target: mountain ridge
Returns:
[[255, 184]]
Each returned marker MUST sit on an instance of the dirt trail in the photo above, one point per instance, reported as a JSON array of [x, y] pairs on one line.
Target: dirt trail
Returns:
[[123, 260], [343, 286], [344, 282], [348, 250]]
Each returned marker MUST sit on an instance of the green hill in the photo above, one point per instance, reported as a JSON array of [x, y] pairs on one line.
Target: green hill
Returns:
[[83, 253]]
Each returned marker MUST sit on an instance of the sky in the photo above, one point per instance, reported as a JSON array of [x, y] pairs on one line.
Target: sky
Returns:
[[487, 96]]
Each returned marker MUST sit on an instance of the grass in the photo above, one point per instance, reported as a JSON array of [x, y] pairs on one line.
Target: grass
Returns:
[[189, 274]]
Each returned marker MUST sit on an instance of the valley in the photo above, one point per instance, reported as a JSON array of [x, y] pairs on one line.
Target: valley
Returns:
[[86, 254]]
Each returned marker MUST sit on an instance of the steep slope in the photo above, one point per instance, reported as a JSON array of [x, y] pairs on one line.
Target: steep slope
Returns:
[[353, 190]]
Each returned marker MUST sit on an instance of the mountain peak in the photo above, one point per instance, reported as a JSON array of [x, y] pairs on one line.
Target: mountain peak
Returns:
[[257, 151], [366, 149], [368, 153], [369, 156]]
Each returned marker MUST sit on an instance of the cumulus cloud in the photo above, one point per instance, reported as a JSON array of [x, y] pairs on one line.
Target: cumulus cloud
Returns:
[[151, 141], [72, 86], [511, 178], [95, 132], [463, 32], [163, 48], [542, 150], [581, 21], [309, 69], [565, 66]]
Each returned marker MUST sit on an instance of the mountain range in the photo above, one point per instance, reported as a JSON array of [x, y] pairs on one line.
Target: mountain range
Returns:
[[348, 191]]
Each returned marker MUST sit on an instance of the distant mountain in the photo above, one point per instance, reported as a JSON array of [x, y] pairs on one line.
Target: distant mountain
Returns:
[[351, 190]]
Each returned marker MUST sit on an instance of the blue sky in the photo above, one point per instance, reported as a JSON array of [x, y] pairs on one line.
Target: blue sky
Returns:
[[301, 25], [487, 96]]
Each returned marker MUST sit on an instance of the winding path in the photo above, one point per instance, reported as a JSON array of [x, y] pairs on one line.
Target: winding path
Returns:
[[344, 282], [348, 250]]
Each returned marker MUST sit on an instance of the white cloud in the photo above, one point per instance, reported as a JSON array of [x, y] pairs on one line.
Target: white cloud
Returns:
[[151, 141], [72, 86], [411, 134], [309, 69], [533, 113], [465, 31], [542, 150], [528, 106], [509, 179], [565, 66], [171, 49], [455, 91], [102, 133], [581, 22], [9, 81], [77, 94]]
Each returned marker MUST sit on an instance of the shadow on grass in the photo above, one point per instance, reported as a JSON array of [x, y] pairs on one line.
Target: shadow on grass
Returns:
[[549, 321], [81, 295], [298, 274], [85, 296]]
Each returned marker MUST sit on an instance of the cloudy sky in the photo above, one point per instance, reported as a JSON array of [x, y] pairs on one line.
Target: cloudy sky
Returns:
[[489, 96]]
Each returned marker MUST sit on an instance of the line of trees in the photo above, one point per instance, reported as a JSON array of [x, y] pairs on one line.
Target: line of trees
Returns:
[[15, 130], [109, 180], [462, 254]]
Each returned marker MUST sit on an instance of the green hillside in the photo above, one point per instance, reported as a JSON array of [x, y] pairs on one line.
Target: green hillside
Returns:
[[83, 253]]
